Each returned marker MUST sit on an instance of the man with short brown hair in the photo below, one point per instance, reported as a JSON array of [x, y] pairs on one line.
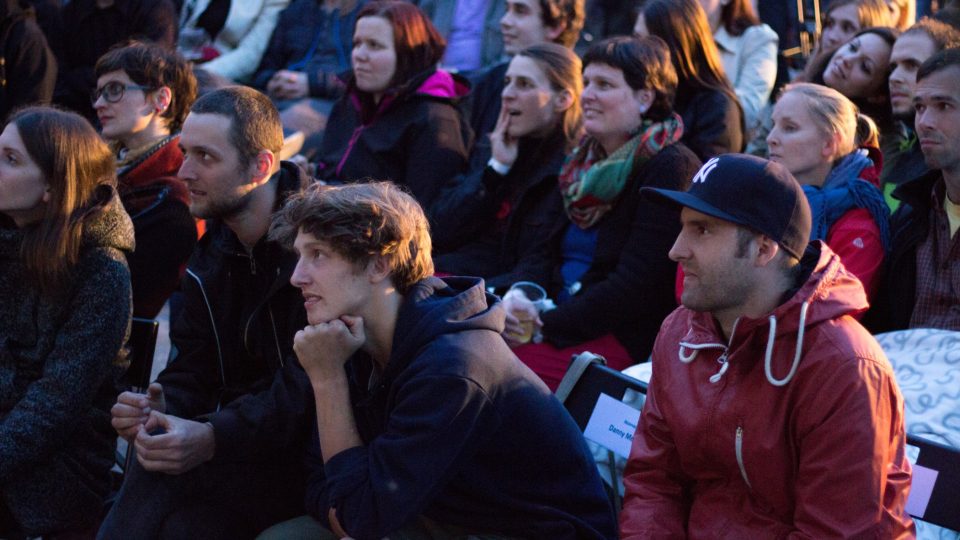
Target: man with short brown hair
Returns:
[[426, 422]]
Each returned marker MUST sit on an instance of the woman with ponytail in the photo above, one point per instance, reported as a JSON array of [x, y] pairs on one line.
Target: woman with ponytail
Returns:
[[832, 150]]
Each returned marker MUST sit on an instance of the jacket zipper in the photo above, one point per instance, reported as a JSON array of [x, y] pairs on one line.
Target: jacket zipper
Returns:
[[216, 335], [739, 448]]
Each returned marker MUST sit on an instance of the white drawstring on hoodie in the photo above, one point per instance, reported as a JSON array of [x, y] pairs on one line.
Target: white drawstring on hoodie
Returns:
[[696, 348]]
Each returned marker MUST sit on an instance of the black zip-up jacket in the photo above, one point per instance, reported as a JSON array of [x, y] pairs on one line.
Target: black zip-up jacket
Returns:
[[499, 227], [235, 333], [415, 136], [893, 304]]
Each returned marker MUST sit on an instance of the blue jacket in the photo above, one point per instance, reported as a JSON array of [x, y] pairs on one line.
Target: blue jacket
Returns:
[[313, 41], [458, 430]]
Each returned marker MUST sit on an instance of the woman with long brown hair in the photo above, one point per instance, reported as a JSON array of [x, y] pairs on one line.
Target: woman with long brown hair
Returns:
[[64, 314], [713, 121], [495, 221]]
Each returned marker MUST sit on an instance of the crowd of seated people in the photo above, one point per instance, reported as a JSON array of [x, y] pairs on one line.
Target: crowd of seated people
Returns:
[[366, 338]]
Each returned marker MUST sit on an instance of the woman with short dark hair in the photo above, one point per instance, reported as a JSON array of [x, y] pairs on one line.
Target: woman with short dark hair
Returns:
[[398, 120], [143, 95], [64, 317], [610, 274]]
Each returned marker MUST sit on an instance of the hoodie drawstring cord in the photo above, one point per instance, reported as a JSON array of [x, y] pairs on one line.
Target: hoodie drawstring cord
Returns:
[[796, 357], [722, 360], [687, 358]]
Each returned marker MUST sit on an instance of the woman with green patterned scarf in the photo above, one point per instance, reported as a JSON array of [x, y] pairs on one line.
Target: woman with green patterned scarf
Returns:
[[612, 279]]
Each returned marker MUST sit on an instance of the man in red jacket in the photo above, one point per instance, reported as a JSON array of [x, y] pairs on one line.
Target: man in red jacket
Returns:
[[771, 411]]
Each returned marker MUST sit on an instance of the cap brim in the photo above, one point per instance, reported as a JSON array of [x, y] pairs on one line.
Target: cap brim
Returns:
[[682, 198]]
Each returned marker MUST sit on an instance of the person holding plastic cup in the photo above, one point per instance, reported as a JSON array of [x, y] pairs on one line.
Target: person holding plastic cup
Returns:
[[611, 277]]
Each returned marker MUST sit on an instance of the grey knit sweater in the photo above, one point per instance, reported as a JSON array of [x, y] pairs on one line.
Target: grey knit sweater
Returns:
[[60, 354]]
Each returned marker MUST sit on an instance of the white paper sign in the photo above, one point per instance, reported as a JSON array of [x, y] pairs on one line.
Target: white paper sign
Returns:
[[921, 489], [612, 425]]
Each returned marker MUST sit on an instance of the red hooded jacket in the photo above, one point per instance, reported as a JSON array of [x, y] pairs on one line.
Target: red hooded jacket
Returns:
[[792, 428]]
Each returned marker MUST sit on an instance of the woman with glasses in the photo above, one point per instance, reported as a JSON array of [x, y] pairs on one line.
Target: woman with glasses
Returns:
[[143, 95], [64, 316]]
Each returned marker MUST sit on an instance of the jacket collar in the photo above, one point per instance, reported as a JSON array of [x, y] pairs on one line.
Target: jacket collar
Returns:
[[917, 192]]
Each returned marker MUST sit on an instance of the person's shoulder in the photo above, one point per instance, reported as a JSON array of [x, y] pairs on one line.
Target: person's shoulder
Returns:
[[841, 346], [760, 33]]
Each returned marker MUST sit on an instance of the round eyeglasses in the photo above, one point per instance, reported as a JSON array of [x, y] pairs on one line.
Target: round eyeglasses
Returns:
[[113, 91]]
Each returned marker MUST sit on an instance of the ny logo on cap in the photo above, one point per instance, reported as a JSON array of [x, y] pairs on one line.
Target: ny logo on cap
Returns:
[[704, 171]]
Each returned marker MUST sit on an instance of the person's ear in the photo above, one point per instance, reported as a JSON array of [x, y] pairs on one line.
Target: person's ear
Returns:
[[264, 164], [767, 250], [553, 32], [378, 269], [162, 97], [830, 146], [645, 98], [563, 101]]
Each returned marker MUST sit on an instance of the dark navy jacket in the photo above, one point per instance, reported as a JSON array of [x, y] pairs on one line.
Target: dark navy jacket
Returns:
[[460, 431]]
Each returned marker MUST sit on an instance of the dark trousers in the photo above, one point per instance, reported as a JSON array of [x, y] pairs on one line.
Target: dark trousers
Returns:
[[212, 501]]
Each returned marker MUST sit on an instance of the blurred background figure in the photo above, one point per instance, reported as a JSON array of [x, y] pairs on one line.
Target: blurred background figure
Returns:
[[713, 121], [28, 69], [399, 119], [89, 28], [496, 222], [228, 37]]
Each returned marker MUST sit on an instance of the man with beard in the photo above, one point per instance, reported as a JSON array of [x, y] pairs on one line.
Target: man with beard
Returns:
[[922, 284], [771, 412], [213, 434], [911, 49]]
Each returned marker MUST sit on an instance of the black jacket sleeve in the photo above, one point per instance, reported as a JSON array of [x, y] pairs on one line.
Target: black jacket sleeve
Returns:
[[713, 125], [436, 151], [264, 425], [166, 235]]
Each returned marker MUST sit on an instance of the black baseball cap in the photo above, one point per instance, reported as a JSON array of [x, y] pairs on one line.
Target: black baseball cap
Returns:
[[749, 191]]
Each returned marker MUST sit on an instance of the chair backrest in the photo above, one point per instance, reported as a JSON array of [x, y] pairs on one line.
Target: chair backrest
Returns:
[[594, 379], [143, 343], [935, 493], [580, 391]]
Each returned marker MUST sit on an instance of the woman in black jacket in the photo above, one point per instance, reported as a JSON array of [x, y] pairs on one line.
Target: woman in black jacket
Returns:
[[713, 122], [611, 276], [398, 120], [495, 222], [64, 315]]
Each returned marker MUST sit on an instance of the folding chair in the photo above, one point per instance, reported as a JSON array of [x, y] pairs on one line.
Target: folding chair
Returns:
[[938, 465], [142, 345], [586, 379]]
